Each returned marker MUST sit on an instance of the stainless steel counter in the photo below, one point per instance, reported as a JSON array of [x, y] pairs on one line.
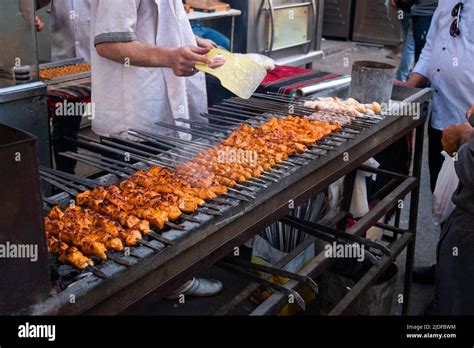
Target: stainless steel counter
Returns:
[[24, 107]]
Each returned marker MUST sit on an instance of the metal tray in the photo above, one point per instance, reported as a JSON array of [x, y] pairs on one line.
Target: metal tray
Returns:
[[66, 78]]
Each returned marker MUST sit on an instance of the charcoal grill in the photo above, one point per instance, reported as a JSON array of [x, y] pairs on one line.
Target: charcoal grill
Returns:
[[169, 257]]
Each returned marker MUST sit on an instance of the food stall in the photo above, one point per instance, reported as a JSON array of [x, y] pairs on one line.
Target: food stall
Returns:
[[148, 224], [168, 254]]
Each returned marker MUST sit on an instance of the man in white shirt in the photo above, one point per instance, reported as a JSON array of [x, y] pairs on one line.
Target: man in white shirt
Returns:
[[144, 49], [446, 63], [70, 38], [143, 71], [70, 28]]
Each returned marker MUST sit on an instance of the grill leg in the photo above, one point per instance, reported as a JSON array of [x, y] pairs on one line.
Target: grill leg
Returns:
[[415, 195]]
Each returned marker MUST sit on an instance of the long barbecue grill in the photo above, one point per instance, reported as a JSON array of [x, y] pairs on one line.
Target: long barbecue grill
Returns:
[[164, 259]]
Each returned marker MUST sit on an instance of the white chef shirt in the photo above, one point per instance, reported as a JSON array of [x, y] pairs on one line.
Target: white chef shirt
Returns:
[[70, 29], [134, 97], [448, 63]]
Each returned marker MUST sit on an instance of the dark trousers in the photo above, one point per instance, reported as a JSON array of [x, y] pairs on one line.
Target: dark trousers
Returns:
[[435, 158], [421, 26], [454, 290], [65, 127]]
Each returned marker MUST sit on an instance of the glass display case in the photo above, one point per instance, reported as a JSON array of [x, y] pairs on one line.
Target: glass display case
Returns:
[[289, 31]]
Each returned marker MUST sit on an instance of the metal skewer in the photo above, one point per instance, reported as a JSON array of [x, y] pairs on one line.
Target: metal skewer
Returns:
[[167, 159], [189, 156], [186, 143], [192, 152], [216, 128], [119, 260], [66, 185], [97, 272], [154, 162], [202, 134]]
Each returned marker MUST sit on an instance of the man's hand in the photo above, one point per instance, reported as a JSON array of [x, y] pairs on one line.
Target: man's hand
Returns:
[[185, 59], [455, 136], [205, 43], [470, 112], [39, 24], [399, 83]]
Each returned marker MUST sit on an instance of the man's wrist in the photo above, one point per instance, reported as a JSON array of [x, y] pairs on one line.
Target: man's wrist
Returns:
[[198, 40], [165, 56]]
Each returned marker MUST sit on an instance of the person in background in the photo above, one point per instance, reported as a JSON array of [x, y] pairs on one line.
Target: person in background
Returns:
[[201, 30], [204, 32], [70, 28], [421, 15], [455, 258], [70, 38], [408, 53], [446, 64]]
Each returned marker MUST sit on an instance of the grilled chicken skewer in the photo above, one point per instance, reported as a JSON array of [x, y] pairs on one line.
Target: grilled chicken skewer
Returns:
[[99, 201], [67, 255], [172, 204], [88, 231], [99, 222], [159, 195]]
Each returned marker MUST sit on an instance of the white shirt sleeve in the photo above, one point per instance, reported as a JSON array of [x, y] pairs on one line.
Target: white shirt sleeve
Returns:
[[116, 21], [424, 63]]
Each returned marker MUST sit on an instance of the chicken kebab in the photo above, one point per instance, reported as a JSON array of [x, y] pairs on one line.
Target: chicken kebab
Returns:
[[107, 217]]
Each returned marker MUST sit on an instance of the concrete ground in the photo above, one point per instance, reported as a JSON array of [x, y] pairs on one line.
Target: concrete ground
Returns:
[[339, 56]]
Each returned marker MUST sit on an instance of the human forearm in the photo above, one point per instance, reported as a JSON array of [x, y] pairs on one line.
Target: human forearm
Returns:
[[137, 53], [182, 60], [417, 80]]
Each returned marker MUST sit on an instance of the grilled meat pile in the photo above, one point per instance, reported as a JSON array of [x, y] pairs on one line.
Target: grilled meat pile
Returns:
[[350, 106], [51, 73]]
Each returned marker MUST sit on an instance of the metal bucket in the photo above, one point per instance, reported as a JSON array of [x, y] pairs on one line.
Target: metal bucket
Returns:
[[372, 81], [378, 298]]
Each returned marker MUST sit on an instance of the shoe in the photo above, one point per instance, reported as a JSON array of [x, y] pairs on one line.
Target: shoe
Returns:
[[425, 275], [198, 287]]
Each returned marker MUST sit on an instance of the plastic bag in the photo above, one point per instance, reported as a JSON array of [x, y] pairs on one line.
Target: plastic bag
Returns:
[[446, 185], [264, 61]]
